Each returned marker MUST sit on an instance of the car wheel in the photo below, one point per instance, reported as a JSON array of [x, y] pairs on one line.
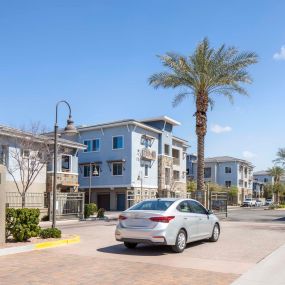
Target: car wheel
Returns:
[[130, 244], [181, 241], [216, 233]]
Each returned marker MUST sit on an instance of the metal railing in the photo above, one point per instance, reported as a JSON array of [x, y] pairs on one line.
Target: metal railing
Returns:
[[31, 200]]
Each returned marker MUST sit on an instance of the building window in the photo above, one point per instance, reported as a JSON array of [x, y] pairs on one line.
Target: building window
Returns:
[[92, 145], [95, 170], [25, 153], [88, 144], [207, 172], [166, 149], [265, 180], [228, 170], [146, 170], [228, 183], [245, 184], [65, 163], [176, 175], [96, 145], [118, 142], [117, 168]]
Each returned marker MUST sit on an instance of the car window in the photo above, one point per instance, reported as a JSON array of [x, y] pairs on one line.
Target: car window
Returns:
[[197, 208], [156, 205], [184, 207]]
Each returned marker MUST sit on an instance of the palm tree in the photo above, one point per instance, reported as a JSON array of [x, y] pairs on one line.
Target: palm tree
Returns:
[[276, 172], [205, 73], [280, 156]]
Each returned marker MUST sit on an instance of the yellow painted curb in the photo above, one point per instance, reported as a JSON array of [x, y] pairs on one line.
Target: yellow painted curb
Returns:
[[47, 244]]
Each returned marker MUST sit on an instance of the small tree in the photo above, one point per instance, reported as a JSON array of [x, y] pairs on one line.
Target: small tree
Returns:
[[27, 158], [191, 186], [277, 172]]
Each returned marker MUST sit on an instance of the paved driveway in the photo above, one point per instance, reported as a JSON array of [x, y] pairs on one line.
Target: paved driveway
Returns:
[[100, 259]]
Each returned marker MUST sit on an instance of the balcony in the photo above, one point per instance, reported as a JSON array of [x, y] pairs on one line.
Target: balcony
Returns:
[[176, 161], [148, 154]]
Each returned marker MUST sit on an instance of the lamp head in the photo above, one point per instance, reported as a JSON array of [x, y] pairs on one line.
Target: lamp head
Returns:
[[70, 129]]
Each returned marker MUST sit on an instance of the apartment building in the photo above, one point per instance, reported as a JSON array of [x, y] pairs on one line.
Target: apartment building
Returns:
[[228, 171], [130, 160]]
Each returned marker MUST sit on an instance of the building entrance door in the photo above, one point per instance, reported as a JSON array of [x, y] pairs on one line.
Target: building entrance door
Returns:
[[121, 202], [103, 201]]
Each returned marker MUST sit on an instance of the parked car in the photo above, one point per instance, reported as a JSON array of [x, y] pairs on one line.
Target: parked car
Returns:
[[249, 202], [258, 203], [268, 202], [167, 221]]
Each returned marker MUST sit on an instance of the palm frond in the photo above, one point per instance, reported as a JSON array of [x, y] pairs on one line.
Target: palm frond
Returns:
[[179, 98]]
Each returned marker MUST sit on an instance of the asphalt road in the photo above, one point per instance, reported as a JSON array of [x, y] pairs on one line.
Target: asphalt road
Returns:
[[260, 214]]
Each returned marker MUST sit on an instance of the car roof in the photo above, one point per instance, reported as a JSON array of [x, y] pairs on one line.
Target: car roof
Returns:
[[168, 199]]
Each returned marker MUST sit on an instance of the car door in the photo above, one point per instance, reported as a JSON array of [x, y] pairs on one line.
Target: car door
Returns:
[[204, 223], [190, 220]]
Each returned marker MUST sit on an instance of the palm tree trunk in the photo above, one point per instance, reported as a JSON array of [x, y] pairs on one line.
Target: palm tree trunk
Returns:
[[202, 101], [200, 163]]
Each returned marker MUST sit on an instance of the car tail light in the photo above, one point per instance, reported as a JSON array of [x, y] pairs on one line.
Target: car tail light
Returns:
[[163, 219], [121, 217]]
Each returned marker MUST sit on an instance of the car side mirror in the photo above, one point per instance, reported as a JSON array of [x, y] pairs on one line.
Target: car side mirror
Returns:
[[210, 212]]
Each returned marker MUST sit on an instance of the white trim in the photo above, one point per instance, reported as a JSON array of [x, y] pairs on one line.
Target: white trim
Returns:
[[123, 142], [163, 118], [70, 162], [112, 125], [62, 172]]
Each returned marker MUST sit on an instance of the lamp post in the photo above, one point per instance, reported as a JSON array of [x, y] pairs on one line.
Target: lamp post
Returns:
[[70, 129], [91, 173], [141, 180]]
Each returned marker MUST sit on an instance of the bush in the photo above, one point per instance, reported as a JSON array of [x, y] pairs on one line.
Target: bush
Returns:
[[90, 209], [50, 233], [22, 224], [100, 213]]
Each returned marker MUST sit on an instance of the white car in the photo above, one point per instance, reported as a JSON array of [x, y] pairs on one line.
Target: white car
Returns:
[[249, 202], [167, 221]]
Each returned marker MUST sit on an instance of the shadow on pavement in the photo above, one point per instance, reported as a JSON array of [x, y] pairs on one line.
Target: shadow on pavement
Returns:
[[280, 219], [144, 250]]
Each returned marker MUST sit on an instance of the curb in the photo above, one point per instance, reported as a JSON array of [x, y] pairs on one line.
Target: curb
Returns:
[[38, 246]]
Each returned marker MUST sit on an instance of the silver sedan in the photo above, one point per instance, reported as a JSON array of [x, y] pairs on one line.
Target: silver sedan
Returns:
[[167, 221]]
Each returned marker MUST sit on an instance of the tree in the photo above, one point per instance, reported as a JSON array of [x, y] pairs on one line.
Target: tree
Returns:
[[280, 157], [191, 186], [277, 172], [205, 73], [27, 158]]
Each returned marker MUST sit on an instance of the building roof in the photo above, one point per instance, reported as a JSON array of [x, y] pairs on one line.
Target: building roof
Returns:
[[117, 124], [262, 172], [226, 159], [162, 118], [16, 133]]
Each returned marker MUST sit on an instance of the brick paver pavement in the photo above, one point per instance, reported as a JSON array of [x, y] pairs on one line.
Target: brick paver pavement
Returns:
[[49, 268]]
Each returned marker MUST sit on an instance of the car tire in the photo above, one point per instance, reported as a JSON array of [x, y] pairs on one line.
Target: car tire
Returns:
[[181, 241], [130, 244], [215, 234]]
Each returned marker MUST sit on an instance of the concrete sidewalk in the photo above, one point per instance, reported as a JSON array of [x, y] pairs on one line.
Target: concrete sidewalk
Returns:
[[270, 270]]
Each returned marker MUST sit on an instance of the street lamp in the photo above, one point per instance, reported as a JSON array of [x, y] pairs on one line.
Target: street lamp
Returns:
[[141, 180], [69, 130]]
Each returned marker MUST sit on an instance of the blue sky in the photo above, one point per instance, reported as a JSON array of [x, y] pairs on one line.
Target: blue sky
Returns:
[[99, 54]]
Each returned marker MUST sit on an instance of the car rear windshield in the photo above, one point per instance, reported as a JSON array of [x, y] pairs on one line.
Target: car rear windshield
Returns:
[[156, 205]]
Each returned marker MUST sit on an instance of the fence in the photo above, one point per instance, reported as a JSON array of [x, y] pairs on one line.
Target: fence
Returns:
[[67, 204], [32, 200]]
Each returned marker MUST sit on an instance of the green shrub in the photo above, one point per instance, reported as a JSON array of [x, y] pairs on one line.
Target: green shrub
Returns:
[[50, 233], [100, 213], [90, 209], [22, 224]]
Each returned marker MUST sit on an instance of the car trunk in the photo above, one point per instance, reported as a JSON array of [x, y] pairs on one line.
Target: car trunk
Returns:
[[140, 219]]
